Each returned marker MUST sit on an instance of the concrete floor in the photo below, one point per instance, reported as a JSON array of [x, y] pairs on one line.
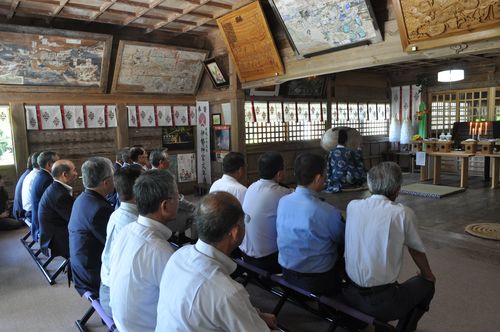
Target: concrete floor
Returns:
[[467, 270]]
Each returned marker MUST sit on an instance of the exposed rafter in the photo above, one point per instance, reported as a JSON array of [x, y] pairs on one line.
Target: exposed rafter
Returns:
[[13, 8], [187, 11]]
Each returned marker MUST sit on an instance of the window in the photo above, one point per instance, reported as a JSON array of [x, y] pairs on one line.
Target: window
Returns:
[[368, 118], [268, 122], [6, 150], [458, 106]]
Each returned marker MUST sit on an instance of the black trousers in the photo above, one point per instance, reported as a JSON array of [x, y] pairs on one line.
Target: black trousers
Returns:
[[406, 302], [268, 263], [325, 283]]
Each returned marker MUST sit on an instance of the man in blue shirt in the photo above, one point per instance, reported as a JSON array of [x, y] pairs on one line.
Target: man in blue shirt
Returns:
[[310, 231]]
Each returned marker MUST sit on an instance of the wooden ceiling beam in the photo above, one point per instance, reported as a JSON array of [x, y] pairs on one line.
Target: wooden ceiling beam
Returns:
[[152, 5], [82, 6], [120, 12], [34, 12], [219, 5], [204, 15], [102, 9], [49, 2], [187, 11], [186, 22], [170, 9], [13, 8], [154, 16], [134, 3], [56, 11]]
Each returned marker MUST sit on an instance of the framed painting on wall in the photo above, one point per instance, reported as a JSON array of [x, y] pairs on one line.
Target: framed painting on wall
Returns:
[[155, 68], [318, 26], [38, 59], [217, 76], [178, 138]]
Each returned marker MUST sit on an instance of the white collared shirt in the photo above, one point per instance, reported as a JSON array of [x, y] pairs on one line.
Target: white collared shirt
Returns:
[[26, 190], [377, 230], [229, 184], [127, 213], [68, 187], [197, 294], [138, 258], [260, 207]]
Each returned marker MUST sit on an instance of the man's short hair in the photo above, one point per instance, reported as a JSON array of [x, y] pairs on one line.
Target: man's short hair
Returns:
[[385, 178], [152, 188], [156, 156], [232, 162], [29, 163], [95, 170], [45, 158], [59, 169], [119, 156], [135, 152], [216, 215], [307, 165], [124, 179], [342, 139], [34, 159], [270, 163]]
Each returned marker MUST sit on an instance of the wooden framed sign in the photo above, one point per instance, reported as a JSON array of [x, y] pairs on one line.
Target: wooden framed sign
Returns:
[[48, 60], [250, 43], [155, 68], [431, 24]]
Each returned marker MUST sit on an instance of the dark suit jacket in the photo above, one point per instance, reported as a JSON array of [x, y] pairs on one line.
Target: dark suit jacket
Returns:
[[42, 180], [54, 211], [17, 209], [87, 236]]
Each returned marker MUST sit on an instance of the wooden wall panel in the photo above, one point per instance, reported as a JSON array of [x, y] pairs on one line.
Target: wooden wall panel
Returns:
[[149, 138]]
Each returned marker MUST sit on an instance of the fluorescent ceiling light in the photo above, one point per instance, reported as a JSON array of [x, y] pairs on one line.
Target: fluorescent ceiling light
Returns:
[[452, 75]]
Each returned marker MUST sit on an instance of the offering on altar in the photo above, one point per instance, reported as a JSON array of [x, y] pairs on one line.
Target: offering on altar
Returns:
[[485, 146], [470, 145], [430, 145], [444, 146]]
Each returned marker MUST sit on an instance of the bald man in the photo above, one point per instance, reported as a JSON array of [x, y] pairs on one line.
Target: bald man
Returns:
[[55, 209]]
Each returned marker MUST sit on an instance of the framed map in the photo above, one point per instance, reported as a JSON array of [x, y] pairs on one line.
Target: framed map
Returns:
[[318, 26], [154, 68], [47, 59]]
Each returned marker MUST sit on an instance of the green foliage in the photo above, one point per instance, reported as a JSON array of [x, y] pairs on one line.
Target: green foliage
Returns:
[[4, 143]]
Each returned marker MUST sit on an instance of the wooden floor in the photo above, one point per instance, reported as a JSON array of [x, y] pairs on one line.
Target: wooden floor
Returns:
[[467, 270]]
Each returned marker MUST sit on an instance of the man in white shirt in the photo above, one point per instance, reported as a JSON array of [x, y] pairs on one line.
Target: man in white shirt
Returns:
[[233, 167], [124, 179], [140, 253], [196, 291], [259, 246], [26, 189], [377, 230]]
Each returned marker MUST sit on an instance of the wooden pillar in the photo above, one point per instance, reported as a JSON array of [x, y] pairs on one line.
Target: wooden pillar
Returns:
[[19, 136], [121, 126]]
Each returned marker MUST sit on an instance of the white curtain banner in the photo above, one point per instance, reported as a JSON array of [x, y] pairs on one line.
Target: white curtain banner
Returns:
[[31, 117], [50, 116], [164, 115], [73, 116], [203, 142]]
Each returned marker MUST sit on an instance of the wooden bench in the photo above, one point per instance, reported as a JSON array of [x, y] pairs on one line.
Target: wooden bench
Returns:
[[289, 293], [95, 307]]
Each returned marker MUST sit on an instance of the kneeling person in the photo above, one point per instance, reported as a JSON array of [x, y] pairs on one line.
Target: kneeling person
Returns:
[[196, 291]]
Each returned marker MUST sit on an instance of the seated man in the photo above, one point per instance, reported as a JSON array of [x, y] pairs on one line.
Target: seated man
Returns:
[[127, 213], [233, 167], [159, 160], [345, 166], [259, 245], [310, 231], [141, 251], [55, 208], [196, 291], [17, 209], [87, 224], [377, 231], [41, 181], [26, 189], [7, 223]]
